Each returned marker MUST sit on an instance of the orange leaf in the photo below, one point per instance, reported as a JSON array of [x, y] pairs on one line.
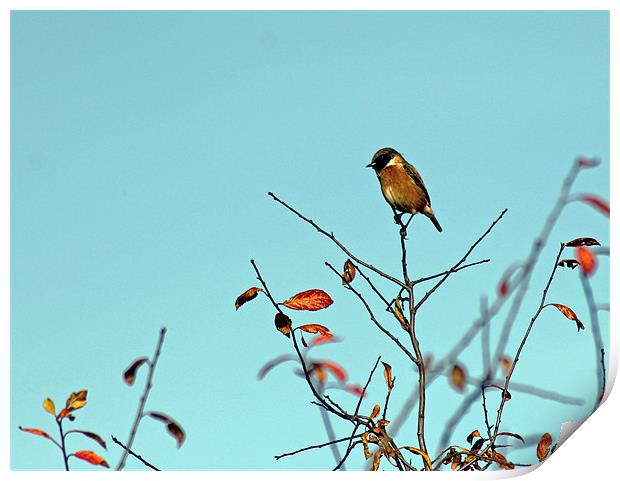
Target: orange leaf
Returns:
[[398, 312], [425, 457], [36, 432], [248, 295], [92, 436], [542, 450], [283, 324], [49, 406], [311, 300], [593, 201], [506, 364], [587, 260], [129, 375], [337, 370], [458, 378], [319, 373], [387, 374], [314, 329], [569, 314], [76, 400], [587, 163], [349, 272], [375, 411], [92, 458], [376, 460], [173, 427], [323, 339], [583, 241]]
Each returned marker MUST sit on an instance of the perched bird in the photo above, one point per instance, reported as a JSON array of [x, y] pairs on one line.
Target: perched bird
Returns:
[[401, 184]]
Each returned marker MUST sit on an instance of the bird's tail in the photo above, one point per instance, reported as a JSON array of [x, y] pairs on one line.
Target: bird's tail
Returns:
[[431, 215]]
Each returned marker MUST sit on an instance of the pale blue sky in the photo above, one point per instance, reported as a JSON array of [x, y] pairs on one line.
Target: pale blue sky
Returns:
[[143, 145]]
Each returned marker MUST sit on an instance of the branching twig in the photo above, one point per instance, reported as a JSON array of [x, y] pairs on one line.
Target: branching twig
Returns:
[[318, 446], [135, 455]]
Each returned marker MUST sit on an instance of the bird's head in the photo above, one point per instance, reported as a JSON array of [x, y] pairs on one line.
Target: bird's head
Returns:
[[383, 157]]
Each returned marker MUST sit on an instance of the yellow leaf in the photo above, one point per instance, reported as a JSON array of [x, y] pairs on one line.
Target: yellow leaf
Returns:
[[569, 314], [375, 411], [387, 374], [365, 444], [398, 312], [49, 406], [376, 460], [425, 457]]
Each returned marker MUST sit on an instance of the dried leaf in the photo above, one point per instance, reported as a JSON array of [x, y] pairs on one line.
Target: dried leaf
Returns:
[[314, 329], [76, 400], [349, 272], [501, 460], [583, 241], [92, 458], [506, 363], [505, 393], [569, 314], [571, 263], [129, 376], [587, 260], [173, 427], [387, 374], [36, 432], [49, 406], [398, 312], [458, 377], [248, 295], [311, 300], [273, 363], [365, 444], [376, 460], [303, 341], [477, 445], [472, 435], [425, 457], [587, 163], [455, 462], [375, 411], [596, 202], [542, 450], [92, 436], [337, 370], [283, 324], [512, 435], [381, 425]]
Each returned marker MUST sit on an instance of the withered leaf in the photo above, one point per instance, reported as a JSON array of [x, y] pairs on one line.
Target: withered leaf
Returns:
[[303, 342], [36, 432], [92, 436], [455, 462], [375, 411], [248, 295], [593, 201], [583, 241], [425, 457], [505, 393], [349, 272], [398, 312], [76, 400], [501, 460], [587, 260], [387, 374], [367, 454], [569, 314], [477, 445], [376, 460], [311, 300], [542, 450], [520, 438], [92, 458], [570, 263], [49, 406], [174, 429], [506, 363], [129, 376], [314, 329], [458, 378], [472, 435], [283, 324]]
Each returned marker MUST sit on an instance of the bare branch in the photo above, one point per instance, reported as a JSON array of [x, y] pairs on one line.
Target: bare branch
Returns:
[[135, 455]]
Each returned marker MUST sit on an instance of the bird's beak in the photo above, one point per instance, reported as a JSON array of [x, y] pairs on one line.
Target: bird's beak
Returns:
[[370, 165]]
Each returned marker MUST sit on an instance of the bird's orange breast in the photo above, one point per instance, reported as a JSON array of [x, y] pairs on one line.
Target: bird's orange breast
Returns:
[[400, 190]]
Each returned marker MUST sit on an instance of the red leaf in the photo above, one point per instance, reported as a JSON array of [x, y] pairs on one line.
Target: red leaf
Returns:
[[587, 260], [130, 373], [311, 300], [586, 163], [355, 389], [337, 370], [92, 458], [324, 339], [173, 427], [36, 432], [583, 241], [502, 288], [595, 202], [314, 329], [569, 314]]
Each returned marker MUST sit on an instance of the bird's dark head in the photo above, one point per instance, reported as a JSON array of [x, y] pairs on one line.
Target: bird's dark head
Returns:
[[382, 158]]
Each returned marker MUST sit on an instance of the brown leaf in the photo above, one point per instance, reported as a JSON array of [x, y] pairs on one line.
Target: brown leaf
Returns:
[[569, 314], [49, 406], [587, 163], [458, 378], [336, 369], [129, 376], [505, 393], [387, 374], [542, 450], [583, 241], [173, 427], [506, 364], [376, 460], [501, 460], [76, 400], [311, 300], [472, 435], [349, 272], [398, 312], [425, 457], [283, 324], [587, 260], [92, 458], [477, 445], [512, 435], [92, 436], [593, 201], [570, 263], [375, 411], [248, 295], [314, 329], [367, 454], [455, 462], [36, 432]]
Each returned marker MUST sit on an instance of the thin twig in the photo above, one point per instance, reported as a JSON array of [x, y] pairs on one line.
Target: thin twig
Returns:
[[318, 446], [604, 375], [147, 388], [449, 271], [135, 455]]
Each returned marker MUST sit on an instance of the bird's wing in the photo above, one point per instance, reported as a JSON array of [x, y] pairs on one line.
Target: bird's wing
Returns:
[[415, 176]]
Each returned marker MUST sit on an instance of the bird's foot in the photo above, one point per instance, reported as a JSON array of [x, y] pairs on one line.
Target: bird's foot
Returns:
[[398, 218]]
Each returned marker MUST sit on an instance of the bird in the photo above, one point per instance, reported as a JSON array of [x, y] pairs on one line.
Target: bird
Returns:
[[402, 185]]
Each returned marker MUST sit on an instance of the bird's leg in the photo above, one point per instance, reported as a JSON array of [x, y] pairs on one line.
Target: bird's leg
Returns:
[[397, 217]]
